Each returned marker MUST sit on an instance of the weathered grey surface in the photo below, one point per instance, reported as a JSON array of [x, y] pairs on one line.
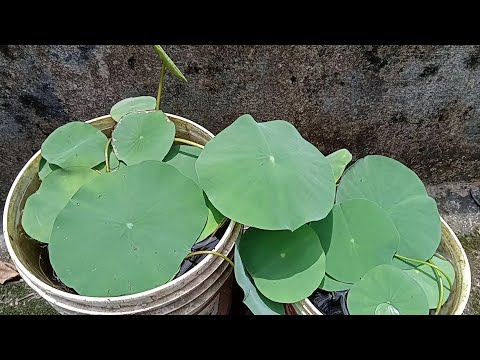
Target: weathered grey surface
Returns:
[[457, 206], [419, 104]]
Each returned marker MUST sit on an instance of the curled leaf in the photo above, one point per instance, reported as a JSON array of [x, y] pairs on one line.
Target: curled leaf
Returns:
[[169, 63], [7, 272]]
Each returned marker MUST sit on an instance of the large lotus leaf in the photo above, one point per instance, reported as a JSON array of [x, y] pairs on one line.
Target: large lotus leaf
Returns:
[[44, 168], [183, 157], [42, 207], [265, 175], [127, 231], [169, 63], [357, 235], [141, 136], [75, 144], [339, 161], [425, 276], [399, 191], [286, 266], [255, 301], [129, 105], [387, 290], [330, 284]]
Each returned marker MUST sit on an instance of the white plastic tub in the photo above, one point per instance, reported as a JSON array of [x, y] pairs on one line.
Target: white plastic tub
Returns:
[[205, 289]]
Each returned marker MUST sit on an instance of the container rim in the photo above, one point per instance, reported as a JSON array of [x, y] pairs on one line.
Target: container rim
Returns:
[[44, 286]]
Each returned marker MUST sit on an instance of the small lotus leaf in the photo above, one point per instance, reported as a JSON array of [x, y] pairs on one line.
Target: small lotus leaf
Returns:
[[133, 104], [255, 301], [286, 266], [141, 136], [387, 290], [265, 175], [357, 235], [339, 161], [75, 144], [127, 231], [42, 207]]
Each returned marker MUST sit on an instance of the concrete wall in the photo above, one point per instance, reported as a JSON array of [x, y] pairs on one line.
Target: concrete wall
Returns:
[[418, 104]]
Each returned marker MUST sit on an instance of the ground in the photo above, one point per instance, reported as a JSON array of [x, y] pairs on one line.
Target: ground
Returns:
[[471, 244], [17, 298], [455, 203]]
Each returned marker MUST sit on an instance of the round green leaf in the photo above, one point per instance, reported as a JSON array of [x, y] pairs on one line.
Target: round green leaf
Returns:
[[255, 301], [75, 144], [183, 157], [339, 161], [357, 235], [400, 192], [426, 278], [386, 290], [141, 136], [330, 284], [286, 266], [127, 231], [42, 207], [265, 175], [129, 105], [169, 63], [44, 168]]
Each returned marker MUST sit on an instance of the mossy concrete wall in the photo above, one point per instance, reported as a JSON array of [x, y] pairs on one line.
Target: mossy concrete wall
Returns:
[[418, 104]]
